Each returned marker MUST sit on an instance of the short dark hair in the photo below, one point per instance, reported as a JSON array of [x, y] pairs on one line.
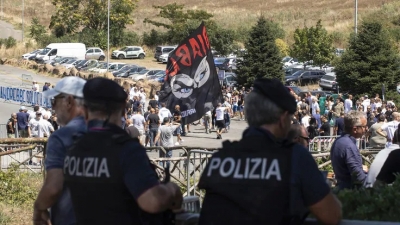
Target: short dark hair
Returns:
[[295, 131], [163, 104], [381, 118], [36, 108]]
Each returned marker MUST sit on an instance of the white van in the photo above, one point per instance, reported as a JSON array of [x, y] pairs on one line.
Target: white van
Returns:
[[77, 50]]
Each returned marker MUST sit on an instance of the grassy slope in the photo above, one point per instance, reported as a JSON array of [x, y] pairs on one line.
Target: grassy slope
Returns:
[[337, 15]]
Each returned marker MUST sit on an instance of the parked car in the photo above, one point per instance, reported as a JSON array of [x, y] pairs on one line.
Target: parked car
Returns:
[[95, 53], [127, 71], [230, 79], [295, 89], [302, 77], [61, 60], [161, 50], [164, 57], [70, 63], [111, 67], [157, 75], [161, 79], [288, 61], [30, 54], [143, 76], [129, 52], [228, 65], [99, 65], [328, 82], [219, 61], [86, 64]]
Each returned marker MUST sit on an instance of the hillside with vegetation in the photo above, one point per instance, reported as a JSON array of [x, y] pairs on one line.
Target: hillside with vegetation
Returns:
[[336, 15]]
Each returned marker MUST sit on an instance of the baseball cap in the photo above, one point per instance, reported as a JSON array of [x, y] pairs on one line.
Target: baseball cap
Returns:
[[276, 92], [68, 85], [103, 90], [22, 108], [365, 96]]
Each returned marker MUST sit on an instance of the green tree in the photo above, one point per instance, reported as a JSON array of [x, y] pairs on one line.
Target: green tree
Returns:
[[263, 57], [71, 15], [36, 30], [179, 23], [314, 44], [370, 61]]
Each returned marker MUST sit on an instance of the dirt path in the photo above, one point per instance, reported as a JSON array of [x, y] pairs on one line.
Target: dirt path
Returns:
[[8, 30]]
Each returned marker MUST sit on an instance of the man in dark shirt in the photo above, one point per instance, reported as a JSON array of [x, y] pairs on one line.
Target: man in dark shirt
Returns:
[[346, 159], [153, 102], [325, 129], [339, 125], [22, 122], [11, 126], [153, 121], [135, 104], [46, 86], [177, 119]]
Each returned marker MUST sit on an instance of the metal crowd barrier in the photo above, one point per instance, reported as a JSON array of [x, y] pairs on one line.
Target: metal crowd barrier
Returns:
[[324, 143], [30, 160], [196, 162]]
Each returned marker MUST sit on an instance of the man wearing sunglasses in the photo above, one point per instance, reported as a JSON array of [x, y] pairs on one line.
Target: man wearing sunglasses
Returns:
[[346, 159], [298, 134], [66, 100]]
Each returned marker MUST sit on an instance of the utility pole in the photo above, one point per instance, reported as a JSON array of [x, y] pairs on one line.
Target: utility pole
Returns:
[[108, 34], [23, 6], [355, 15]]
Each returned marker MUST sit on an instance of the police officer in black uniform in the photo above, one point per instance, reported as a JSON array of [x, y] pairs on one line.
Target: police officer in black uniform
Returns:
[[263, 178], [109, 173]]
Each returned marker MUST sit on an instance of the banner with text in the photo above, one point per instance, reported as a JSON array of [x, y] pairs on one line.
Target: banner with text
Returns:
[[192, 81], [24, 96]]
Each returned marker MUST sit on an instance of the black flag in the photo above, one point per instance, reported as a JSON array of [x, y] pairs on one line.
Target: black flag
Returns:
[[192, 80]]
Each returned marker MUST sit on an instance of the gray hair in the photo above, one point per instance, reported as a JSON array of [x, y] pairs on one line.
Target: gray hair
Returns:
[[260, 110], [353, 119], [295, 131]]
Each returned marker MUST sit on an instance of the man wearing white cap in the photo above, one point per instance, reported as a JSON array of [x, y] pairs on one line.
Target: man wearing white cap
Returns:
[[67, 101]]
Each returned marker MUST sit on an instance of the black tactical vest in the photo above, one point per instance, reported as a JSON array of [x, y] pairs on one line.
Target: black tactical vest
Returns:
[[247, 182], [93, 174]]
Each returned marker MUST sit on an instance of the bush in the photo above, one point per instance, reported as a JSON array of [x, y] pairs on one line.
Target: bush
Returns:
[[377, 204], [130, 38], [153, 38], [10, 42], [14, 187]]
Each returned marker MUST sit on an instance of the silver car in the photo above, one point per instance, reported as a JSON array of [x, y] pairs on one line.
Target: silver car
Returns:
[[95, 53], [328, 82]]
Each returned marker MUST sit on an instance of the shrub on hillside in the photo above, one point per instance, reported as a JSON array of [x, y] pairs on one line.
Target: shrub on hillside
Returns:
[[153, 38], [14, 188], [10, 42]]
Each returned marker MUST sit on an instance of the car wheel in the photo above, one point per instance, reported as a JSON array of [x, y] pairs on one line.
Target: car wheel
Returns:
[[120, 56], [292, 83], [141, 56], [101, 58]]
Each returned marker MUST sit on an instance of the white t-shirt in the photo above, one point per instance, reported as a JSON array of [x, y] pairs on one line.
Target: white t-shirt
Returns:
[[35, 87], [163, 113], [348, 104], [305, 121], [45, 127], [208, 113], [390, 128], [366, 103], [34, 124], [156, 97], [220, 113], [138, 121], [167, 135]]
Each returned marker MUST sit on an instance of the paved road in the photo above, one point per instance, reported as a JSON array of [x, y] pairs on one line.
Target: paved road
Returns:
[[11, 76], [7, 30]]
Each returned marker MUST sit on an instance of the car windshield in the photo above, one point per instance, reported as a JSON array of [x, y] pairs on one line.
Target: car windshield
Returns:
[[286, 59], [219, 60], [34, 52], [161, 73], [297, 73], [70, 61], [82, 62], [123, 49], [328, 77], [45, 51], [102, 66], [143, 71], [125, 68]]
